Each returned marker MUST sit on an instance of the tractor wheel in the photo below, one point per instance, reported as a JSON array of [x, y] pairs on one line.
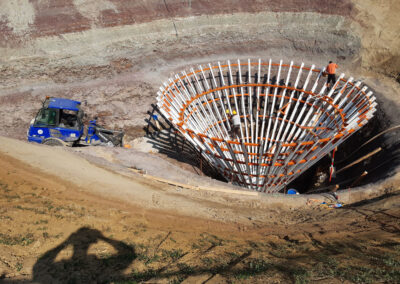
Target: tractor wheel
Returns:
[[53, 142]]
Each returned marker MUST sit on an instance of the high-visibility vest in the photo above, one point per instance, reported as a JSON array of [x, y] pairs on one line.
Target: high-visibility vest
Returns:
[[331, 68]]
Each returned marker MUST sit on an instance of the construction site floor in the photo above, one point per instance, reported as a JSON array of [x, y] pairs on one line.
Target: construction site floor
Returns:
[[64, 218]]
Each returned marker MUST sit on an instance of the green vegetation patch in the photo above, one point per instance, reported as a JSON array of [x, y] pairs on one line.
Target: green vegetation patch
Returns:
[[21, 240]]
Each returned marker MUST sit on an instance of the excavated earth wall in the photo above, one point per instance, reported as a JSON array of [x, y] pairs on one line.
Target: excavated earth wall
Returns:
[[62, 46], [113, 215], [113, 55]]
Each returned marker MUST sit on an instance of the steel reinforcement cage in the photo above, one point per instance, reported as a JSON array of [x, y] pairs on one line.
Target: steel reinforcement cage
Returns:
[[290, 117]]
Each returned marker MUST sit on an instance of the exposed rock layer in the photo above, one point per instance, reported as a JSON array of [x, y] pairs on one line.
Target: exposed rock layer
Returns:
[[114, 54]]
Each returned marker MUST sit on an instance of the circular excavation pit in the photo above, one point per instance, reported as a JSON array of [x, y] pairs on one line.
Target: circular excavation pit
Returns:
[[287, 117], [201, 211]]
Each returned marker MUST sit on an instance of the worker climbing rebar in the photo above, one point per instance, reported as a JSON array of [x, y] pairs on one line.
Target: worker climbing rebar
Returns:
[[331, 72], [234, 121]]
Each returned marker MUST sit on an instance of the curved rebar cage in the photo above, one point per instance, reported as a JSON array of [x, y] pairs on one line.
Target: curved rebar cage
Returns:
[[289, 117]]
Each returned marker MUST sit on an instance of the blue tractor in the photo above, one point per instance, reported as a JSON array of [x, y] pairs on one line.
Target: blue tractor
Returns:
[[59, 123]]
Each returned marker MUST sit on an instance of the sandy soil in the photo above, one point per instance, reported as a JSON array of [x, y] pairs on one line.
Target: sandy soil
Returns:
[[81, 216], [58, 230]]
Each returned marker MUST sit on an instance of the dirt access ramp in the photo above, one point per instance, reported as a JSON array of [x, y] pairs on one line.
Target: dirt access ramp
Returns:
[[216, 202]]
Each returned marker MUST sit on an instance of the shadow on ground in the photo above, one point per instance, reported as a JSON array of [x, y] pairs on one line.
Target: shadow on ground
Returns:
[[288, 259], [83, 267]]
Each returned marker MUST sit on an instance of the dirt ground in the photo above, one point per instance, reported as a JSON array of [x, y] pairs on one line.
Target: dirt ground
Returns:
[[64, 219], [54, 231]]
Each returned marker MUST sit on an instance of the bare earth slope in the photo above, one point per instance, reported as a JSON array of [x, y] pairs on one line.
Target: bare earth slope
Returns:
[[55, 229], [64, 219]]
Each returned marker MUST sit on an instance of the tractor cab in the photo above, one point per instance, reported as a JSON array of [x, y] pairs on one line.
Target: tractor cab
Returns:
[[59, 120]]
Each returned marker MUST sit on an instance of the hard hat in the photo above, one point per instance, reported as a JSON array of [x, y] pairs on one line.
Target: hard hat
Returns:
[[234, 112], [227, 111]]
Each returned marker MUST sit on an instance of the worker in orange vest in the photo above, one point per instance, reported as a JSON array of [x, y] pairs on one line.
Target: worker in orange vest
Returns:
[[331, 70]]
